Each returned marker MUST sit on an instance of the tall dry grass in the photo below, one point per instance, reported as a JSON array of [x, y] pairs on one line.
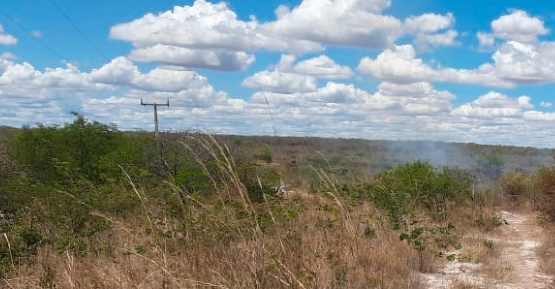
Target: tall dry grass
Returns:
[[227, 241]]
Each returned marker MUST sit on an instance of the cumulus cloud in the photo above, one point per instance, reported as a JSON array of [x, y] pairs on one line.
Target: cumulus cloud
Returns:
[[337, 93], [340, 22], [7, 56], [119, 71], [159, 83], [494, 105], [519, 26], [432, 30], [429, 23], [193, 58], [281, 82], [516, 27], [23, 80], [447, 38], [6, 39], [485, 40], [323, 67], [540, 116], [546, 104], [205, 26], [210, 36], [287, 77], [396, 110], [203, 35], [44, 96], [398, 64], [514, 63], [521, 63], [416, 98], [49, 95]]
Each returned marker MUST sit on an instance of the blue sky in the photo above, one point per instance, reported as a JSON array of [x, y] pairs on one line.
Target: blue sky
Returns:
[[467, 71]]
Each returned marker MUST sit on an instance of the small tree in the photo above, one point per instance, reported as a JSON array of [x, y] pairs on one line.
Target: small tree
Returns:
[[544, 198], [77, 149], [515, 186]]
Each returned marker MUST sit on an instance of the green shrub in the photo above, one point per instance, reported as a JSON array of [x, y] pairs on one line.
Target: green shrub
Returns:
[[420, 186], [61, 154]]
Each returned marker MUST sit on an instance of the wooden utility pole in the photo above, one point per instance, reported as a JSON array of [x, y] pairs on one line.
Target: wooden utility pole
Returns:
[[156, 132], [156, 105]]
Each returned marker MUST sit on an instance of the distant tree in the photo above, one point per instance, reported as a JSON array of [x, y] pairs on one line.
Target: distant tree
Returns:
[[74, 149]]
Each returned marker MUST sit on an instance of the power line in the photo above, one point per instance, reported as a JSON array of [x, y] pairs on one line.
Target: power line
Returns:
[[78, 29], [22, 27]]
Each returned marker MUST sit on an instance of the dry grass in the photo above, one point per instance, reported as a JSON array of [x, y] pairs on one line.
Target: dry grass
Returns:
[[300, 241], [312, 251], [546, 251]]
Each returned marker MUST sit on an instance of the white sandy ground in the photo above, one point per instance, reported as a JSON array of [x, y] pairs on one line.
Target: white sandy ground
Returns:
[[518, 258]]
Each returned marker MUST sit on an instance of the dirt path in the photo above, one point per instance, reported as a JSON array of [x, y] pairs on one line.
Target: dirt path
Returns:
[[517, 266]]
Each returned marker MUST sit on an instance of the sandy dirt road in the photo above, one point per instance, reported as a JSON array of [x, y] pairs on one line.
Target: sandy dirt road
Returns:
[[517, 266]]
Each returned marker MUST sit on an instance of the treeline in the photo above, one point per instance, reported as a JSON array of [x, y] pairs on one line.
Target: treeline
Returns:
[[363, 158]]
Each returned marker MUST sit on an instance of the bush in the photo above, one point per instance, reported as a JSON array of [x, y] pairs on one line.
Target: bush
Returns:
[[62, 154], [544, 198], [420, 186], [515, 186]]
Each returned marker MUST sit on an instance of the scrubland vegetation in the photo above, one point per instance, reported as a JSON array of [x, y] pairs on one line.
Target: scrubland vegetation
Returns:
[[84, 205]]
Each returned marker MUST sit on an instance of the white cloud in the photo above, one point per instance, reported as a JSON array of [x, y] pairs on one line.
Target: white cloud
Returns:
[[519, 26], [7, 56], [399, 65], [546, 104], [6, 39], [447, 38], [485, 40], [119, 71], [210, 36], [48, 96], [340, 22], [432, 30], [514, 63], [166, 80], [281, 82], [193, 58], [406, 110], [429, 23], [539, 116], [494, 105], [23, 80], [288, 78], [521, 63], [204, 26], [416, 98], [323, 67], [327, 97], [337, 93]]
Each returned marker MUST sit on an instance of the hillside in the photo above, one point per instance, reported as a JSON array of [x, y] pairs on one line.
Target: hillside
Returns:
[[84, 205]]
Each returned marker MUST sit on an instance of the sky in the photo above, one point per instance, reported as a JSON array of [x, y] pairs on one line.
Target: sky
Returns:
[[457, 71]]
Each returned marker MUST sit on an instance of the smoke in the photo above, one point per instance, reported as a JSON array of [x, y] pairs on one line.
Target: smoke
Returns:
[[487, 162], [435, 153]]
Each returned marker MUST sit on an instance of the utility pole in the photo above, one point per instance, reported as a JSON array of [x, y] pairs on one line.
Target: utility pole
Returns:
[[156, 132]]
